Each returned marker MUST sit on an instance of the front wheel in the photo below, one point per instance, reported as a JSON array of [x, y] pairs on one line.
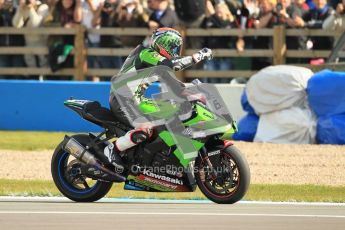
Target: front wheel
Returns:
[[67, 176], [229, 180]]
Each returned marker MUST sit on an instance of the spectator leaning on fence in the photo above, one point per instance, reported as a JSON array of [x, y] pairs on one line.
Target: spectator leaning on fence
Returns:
[[66, 14], [252, 6], [106, 17], [131, 13], [89, 12], [32, 14], [336, 21], [302, 8], [290, 15], [162, 15], [218, 16], [302, 5], [314, 19], [245, 17], [191, 14], [265, 19], [6, 14]]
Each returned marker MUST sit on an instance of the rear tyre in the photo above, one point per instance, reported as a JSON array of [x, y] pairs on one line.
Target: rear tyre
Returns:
[[232, 176], [68, 179]]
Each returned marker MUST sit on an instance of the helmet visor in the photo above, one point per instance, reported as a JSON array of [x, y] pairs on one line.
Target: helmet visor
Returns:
[[176, 51]]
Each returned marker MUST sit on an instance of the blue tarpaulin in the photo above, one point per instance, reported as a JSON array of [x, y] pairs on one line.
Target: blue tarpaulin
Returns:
[[326, 93], [245, 103], [331, 129], [247, 127]]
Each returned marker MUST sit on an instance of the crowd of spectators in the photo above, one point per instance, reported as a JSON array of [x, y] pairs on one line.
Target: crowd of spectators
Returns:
[[225, 14]]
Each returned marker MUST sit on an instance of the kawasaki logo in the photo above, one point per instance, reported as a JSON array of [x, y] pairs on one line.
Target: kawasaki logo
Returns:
[[165, 178]]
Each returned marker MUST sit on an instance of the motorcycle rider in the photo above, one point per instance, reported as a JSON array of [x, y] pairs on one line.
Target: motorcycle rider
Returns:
[[165, 50]]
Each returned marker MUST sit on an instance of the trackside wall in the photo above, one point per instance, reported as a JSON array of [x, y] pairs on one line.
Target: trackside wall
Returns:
[[38, 106]]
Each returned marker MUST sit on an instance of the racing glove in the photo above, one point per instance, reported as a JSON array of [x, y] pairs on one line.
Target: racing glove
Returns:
[[203, 54]]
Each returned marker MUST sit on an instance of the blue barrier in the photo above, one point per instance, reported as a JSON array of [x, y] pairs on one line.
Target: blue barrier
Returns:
[[34, 105]]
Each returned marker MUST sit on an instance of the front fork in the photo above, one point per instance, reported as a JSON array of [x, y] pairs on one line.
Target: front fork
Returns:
[[204, 157]]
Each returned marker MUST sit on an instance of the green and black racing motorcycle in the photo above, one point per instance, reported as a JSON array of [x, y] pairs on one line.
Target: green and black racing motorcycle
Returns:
[[82, 173]]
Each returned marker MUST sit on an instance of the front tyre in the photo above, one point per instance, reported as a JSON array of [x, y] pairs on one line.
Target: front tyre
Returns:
[[229, 181], [66, 173]]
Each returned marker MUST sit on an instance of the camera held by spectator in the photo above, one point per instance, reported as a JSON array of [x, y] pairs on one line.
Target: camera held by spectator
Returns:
[[280, 14], [286, 13], [109, 6], [128, 7]]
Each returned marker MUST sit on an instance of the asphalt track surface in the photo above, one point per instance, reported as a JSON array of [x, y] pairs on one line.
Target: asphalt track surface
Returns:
[[59, 213]]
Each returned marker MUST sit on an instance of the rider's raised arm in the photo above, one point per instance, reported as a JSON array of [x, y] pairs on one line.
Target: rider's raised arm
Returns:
[[150, 57], [181, 63]]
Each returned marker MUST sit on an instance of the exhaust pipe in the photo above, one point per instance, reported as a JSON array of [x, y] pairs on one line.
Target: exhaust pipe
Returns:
[[73, 147]]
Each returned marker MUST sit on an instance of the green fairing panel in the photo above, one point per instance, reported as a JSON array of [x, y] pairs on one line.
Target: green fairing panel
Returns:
[[149, 56], [169, 140], [202, 115], [158, 109], [206, 120], [230, 132], [147, 107]]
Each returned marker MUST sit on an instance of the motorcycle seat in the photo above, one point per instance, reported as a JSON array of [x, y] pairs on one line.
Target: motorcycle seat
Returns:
[[94, 112]]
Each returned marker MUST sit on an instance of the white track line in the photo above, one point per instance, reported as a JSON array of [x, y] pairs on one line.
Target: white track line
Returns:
[[171, 213], [158, 201]]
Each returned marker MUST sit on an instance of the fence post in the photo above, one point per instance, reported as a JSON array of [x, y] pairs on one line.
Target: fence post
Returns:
[[279, 45], [79, 53]]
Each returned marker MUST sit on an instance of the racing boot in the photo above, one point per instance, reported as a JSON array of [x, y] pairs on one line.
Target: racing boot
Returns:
[[130, 139]]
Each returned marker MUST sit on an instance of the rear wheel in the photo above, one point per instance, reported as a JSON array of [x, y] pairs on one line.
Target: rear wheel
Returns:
[[67, 176], [230, 179]]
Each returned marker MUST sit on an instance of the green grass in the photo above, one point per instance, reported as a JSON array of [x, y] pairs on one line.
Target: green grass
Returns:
[[299, 193], [20, 140]]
